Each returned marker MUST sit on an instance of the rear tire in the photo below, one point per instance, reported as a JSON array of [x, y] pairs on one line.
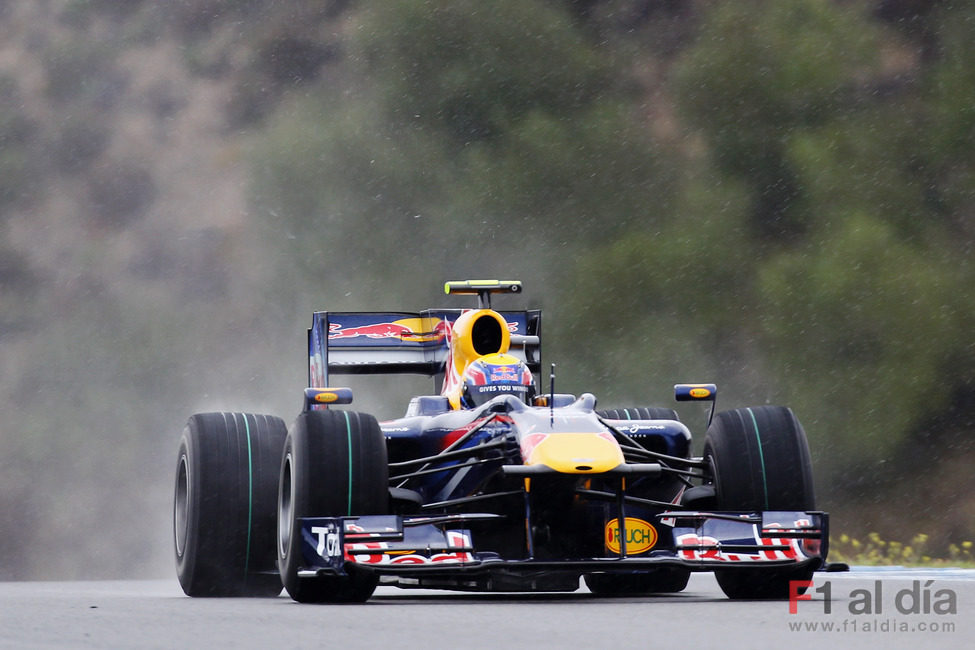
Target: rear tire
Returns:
[[760, 461], [639, 413], [334, 464], [224, 512]]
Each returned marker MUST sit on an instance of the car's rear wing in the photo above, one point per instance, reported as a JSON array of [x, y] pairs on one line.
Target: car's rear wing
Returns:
[[357, 343]]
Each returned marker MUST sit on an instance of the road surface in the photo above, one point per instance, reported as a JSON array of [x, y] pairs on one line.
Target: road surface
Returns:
[[865, 609]]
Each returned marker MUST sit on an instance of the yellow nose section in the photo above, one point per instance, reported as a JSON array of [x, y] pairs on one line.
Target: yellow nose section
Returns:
[[577, 453]]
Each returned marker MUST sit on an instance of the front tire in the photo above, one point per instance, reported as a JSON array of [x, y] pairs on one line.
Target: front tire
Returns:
[[760, 461], [334, 464], [224, 511]]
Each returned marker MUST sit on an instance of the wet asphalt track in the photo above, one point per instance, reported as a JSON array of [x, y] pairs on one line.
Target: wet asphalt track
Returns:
[[156, 614]]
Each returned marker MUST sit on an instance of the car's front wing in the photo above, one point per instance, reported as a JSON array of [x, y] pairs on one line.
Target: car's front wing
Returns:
[[426, 545]]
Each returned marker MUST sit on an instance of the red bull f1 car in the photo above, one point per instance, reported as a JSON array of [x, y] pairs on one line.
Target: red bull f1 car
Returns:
[[488, 483]]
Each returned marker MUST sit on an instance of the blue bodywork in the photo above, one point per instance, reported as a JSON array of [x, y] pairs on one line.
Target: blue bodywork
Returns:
[[471, 509], [465, 516]]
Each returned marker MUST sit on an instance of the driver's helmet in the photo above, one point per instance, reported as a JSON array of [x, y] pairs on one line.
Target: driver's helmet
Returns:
[[496, 374]]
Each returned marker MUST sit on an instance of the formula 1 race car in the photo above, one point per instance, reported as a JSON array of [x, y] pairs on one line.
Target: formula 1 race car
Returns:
[[490, 484]]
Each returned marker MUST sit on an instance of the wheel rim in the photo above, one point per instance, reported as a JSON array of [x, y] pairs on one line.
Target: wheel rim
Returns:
[[181, 506], [285, 507]]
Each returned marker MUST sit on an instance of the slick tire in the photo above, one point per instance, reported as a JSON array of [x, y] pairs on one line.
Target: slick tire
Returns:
[[334, 464], [657, 581], [759, 460], [224, 507], [639, 413], [645, 413]]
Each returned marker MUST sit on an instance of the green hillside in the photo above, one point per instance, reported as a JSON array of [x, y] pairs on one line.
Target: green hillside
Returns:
[[774, 195]]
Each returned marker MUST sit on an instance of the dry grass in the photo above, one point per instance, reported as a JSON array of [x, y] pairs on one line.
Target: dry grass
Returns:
[[874, 551]]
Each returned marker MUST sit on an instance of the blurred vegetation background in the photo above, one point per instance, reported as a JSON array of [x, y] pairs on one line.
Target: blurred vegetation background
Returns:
[[775, 195]]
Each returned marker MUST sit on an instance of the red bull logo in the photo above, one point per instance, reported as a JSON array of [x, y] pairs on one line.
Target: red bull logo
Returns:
[[503, 373], [504, 377], [407, 329]]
